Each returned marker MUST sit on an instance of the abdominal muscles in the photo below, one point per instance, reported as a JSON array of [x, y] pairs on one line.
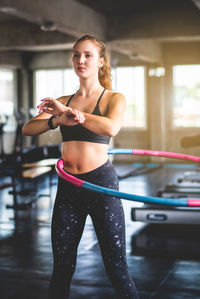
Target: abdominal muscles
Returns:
[[82, 156]]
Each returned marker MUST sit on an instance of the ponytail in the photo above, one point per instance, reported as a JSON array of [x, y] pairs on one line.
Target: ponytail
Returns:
[[105, 74]]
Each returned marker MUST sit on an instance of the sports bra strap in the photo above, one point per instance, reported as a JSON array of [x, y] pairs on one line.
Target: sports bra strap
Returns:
[[97, 101], [70, 99], [100, 97]]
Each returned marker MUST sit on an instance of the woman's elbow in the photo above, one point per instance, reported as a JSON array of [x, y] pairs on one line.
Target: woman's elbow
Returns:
[[113, 128], [26, 131], [113, 131]]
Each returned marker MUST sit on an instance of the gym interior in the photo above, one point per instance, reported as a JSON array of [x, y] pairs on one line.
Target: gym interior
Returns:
[[154, 50]]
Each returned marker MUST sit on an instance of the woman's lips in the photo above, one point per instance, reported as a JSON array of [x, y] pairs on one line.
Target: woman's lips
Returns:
[[81, 68]]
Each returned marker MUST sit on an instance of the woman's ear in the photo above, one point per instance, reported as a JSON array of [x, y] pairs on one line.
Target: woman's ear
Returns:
[[101, 62]]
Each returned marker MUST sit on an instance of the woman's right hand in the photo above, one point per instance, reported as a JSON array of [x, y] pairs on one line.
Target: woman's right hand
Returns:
[[51, 106]]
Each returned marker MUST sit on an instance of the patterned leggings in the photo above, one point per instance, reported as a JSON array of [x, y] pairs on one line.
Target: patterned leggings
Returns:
[[72, 205]]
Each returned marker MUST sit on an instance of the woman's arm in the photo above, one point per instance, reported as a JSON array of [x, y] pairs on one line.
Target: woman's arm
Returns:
[[37, 125], [63, 116], [111, 122], [47, 108]]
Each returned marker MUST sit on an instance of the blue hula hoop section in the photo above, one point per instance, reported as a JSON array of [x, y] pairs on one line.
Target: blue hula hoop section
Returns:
[[182, 202], [120, 151]]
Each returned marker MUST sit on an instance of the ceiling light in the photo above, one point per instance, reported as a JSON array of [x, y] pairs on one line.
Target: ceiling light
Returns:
[[48, 26]]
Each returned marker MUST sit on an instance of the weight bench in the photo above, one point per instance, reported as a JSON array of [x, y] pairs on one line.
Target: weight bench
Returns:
[[32, 172]]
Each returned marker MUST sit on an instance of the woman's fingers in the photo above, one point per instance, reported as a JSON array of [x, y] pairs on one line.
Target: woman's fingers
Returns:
[[47, 99], [51, 106], [82, 118], [78, 116], [43, 105], [46, 105], [44, 102]]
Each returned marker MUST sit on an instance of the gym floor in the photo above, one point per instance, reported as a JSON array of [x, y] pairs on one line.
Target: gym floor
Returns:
[[163, 259]]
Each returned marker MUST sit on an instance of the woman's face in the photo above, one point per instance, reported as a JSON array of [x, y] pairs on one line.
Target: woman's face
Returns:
[[86, 60]]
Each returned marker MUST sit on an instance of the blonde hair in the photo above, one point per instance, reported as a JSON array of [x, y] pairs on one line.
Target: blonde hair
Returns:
[[105, 71]]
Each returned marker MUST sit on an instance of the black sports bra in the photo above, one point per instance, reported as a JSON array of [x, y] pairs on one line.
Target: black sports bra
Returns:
[[80, 133]]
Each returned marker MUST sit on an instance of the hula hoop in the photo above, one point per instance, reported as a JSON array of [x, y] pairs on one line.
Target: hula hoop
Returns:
[[178, 202]]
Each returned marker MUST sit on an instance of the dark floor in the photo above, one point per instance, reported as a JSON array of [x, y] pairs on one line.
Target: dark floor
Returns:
[[164, 260]]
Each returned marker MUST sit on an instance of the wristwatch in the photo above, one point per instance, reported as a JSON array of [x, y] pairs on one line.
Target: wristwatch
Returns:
[[50, 122]]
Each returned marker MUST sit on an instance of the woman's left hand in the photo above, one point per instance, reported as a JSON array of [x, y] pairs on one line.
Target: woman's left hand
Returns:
[[71, 117], [51, 106]]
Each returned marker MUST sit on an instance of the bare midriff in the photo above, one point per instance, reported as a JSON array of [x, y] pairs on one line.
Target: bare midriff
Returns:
[[82, 156]]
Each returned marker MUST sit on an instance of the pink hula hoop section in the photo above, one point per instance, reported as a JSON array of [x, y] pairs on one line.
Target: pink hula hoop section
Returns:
[[154, 153], [178, 202], [66, 176]]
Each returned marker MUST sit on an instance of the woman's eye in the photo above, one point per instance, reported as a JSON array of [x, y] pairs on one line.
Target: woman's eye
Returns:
[[87, 55], [76, 55]]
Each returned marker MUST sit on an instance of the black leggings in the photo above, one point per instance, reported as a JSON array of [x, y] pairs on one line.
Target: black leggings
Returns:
[[72, 205]]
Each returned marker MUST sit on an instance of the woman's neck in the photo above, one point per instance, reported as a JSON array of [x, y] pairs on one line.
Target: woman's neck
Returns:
[[88, 87]]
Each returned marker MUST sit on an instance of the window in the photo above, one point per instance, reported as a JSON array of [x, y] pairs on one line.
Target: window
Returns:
[[7, 98], [186, 96], [54, 83], [130, 81]]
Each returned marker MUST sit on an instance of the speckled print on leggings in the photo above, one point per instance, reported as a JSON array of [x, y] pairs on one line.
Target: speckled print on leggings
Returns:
[[72, 205]]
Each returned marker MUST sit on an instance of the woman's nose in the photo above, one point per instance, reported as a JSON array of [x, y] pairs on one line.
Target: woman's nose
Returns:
[[81, 59]]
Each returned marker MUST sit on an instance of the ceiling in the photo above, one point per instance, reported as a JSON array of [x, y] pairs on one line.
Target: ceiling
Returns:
[[136, 29], [128, 7]]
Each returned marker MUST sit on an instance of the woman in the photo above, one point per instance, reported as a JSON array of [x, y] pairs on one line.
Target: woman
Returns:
[[87, 120]]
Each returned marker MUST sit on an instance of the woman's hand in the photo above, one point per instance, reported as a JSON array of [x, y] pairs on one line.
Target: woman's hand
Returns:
[[51, 106], [71, 117]]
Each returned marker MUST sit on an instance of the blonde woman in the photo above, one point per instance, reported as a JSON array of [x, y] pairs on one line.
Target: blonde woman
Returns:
[[87, 121]]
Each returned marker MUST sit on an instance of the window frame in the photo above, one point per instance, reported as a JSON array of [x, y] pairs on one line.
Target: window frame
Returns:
[[11, 127], [146, 125], [171, 117], [46, 69]]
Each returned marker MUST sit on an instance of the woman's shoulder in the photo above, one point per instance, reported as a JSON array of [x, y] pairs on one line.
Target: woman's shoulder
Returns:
[[64, 99], [115, 96]]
